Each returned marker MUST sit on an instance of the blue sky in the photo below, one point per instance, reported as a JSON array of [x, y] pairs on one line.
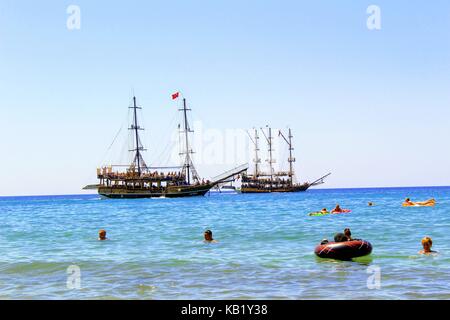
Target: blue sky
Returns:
[[371, 106]]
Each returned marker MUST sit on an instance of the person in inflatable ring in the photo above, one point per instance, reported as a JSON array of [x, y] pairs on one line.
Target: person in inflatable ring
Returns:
[[348, 234], [340, 237]]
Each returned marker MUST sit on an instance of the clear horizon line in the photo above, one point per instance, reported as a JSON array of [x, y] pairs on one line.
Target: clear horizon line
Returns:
[[342, 188]]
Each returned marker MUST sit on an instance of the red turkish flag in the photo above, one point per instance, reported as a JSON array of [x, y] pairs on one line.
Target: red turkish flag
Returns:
[[175, 95]]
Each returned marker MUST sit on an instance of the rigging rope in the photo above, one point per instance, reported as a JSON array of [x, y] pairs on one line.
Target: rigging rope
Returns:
[[113, 142]]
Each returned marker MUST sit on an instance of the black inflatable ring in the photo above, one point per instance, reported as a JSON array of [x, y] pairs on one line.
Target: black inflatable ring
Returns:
[[344, 250]]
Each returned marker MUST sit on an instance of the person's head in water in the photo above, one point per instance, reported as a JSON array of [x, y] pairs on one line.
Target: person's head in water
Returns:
[[208, 236], [340, 237], [427, 243], [370, 204], [348, 233], [102, 235], [407, 200], [324, 210]]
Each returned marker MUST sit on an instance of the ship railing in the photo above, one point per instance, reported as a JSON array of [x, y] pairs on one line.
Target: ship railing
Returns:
[[281, 174], [146, 175]]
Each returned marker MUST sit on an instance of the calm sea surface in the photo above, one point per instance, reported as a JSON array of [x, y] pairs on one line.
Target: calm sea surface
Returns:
[[265, 248]]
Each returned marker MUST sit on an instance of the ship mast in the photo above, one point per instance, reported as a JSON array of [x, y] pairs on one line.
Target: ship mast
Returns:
[[135, 127], [257, 160], [188, 161], [269, 142], [291, 159]]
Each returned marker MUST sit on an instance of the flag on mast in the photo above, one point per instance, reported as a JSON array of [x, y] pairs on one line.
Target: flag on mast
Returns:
[[175, 95]]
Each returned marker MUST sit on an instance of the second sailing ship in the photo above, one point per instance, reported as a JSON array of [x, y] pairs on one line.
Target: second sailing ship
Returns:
[[272, 181]]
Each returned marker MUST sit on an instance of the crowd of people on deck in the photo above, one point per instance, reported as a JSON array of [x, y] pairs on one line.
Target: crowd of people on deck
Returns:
[[266, 183], [171, 176], [108, 173], [177, 178]]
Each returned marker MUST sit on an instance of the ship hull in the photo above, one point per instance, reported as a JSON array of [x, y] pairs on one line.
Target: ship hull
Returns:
[[301, 188], [170, 192]]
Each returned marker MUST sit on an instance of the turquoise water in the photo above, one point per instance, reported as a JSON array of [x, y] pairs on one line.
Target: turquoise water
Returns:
[[265, 248]]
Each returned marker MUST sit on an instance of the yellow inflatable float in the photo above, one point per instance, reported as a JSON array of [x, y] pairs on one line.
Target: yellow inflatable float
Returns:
[[427, 203]]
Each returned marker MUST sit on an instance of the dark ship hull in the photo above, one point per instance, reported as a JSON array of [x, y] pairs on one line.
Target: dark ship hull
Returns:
[[261, 189], [169, 192]]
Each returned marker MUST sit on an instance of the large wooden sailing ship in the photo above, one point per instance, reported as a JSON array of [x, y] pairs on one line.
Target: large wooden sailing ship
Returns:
[[141, 181], [280, 181]]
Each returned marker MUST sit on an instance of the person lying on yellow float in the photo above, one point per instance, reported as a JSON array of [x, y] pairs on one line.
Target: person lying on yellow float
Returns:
[[427, 203]]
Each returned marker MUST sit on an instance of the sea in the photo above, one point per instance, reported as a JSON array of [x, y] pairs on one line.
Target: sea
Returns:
[[264, 250]]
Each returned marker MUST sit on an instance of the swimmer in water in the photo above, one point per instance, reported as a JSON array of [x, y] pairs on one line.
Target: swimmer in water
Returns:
[[324, 210], [427, 243], [370, 204], [209, 237], [102, 235]]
